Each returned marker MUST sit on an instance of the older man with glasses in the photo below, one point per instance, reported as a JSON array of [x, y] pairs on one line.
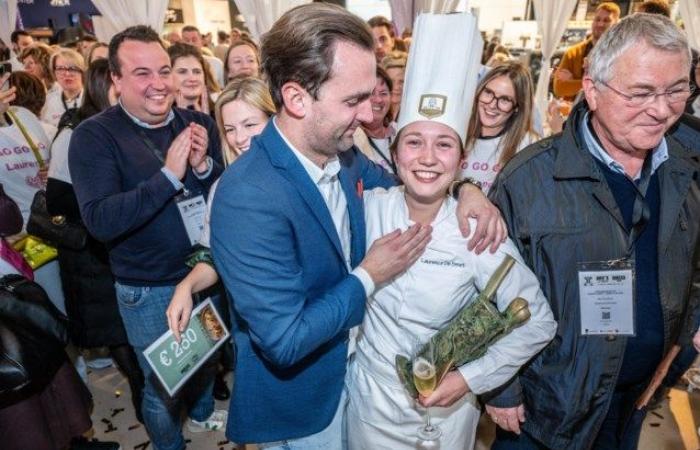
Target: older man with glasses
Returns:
[[607, 215]]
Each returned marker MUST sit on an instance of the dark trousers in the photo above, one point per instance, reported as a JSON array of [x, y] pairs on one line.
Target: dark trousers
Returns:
[[620, 429]]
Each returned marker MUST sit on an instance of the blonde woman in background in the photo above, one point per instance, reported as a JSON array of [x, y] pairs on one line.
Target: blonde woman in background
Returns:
[[242, 111], [68, 68]]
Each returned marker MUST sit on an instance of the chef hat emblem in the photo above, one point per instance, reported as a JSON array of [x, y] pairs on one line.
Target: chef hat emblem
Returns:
[[432, 105]]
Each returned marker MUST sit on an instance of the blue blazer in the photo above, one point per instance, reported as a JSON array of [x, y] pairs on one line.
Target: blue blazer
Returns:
[[293, 300]]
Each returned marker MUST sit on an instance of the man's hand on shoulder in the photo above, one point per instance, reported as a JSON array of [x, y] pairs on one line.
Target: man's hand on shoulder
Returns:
[[394, 253], [490, 228]]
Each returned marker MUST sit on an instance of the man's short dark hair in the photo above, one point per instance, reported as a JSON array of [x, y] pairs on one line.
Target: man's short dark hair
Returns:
[[300, 47], [655, 7], [381, 21], [88, 38], [14, 37], [188, 28], [141, 33]]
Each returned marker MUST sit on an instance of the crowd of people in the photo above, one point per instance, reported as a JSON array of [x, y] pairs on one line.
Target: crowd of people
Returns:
[[341, 205]]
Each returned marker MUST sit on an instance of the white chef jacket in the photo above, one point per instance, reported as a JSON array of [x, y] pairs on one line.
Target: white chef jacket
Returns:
[[419, 302]]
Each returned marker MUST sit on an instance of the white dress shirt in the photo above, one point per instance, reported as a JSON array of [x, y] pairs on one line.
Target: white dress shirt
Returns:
[[326, 179]]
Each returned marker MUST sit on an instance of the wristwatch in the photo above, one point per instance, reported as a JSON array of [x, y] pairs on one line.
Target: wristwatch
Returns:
[[457, 185]]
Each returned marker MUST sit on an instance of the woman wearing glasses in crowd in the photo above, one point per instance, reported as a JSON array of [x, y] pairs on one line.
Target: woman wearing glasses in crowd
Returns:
[[501, 122], [195, 87], [67, 67]]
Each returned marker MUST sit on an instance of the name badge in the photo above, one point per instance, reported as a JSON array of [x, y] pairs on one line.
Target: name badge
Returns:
[[193, 209], [606, 297]]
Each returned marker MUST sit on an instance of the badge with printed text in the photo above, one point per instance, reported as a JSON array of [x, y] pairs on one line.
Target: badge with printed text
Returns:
[[606, 297], [193, 209]]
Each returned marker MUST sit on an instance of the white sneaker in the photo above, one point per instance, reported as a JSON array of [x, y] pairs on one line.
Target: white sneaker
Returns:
[[99, 363], [217, 421]]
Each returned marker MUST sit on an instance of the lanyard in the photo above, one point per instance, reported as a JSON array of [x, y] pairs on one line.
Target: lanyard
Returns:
[[640, 212], [149, 143], [65, 105], [389, 160]]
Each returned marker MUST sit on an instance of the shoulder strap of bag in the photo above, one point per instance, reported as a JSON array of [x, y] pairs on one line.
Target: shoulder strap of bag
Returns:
[[28, 138]]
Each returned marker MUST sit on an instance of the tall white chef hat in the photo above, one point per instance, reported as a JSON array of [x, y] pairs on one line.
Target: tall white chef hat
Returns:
[[442, 71]]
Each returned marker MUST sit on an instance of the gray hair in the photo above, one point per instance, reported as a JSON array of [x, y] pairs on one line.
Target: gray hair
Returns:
[[655, 30]]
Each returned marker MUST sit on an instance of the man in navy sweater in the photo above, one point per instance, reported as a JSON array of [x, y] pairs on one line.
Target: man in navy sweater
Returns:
[[138, 168]]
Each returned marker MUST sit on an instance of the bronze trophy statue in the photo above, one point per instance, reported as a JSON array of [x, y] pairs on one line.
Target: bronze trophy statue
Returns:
[[470, 333]]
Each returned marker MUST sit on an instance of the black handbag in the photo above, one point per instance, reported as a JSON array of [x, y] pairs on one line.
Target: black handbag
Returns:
[[10, 216], [33, 334], [55, 230]]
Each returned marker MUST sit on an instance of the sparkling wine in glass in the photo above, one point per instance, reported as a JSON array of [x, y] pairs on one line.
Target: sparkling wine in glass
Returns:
[[425, 380]]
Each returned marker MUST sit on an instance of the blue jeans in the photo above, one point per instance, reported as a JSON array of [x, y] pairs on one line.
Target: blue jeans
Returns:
[[143, 312], [332, 437]]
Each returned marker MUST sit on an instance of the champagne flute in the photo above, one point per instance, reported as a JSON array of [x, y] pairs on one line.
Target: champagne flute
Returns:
[[425, 380]]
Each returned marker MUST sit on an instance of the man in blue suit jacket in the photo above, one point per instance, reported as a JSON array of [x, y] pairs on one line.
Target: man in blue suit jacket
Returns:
[[288, 233]]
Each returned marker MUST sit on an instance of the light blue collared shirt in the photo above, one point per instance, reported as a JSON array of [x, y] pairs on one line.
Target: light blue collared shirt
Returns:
[[658, 156], [141, 123], [177, 184]]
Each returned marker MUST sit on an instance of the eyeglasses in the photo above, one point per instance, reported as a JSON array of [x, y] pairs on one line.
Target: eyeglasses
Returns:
[[649, 97], [67, 69], [503, 103]]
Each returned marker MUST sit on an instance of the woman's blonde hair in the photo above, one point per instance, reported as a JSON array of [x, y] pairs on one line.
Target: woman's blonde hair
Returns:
[[250, 90], [69, 55], [519, 124]]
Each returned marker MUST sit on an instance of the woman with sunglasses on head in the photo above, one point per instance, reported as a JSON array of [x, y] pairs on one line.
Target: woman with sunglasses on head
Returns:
[[501, 122], [68, 67]]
